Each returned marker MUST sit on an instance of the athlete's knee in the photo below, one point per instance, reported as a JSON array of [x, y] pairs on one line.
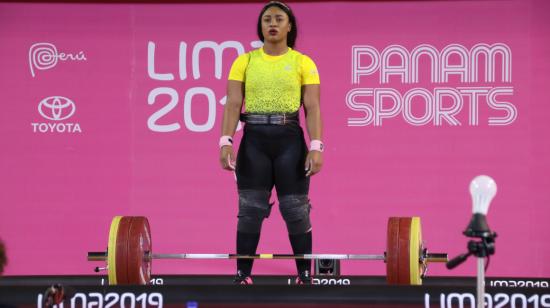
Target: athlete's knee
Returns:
[[253, 208], [295, 211]]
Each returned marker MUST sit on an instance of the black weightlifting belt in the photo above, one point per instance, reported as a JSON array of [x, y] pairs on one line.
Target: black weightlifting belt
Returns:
[[274, 119]]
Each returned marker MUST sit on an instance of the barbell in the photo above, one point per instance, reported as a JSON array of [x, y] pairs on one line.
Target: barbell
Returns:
[[129, 253]]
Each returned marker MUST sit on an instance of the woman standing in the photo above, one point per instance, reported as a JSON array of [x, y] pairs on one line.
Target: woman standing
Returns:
[[275, 81]]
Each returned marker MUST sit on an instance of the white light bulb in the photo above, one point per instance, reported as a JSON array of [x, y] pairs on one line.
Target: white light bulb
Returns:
[[482, 188]]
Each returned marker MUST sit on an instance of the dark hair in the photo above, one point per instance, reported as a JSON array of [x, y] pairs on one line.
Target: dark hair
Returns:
[[291, 38], [3, 258]]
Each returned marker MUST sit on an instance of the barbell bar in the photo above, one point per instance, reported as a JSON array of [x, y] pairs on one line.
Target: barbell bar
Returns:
[[430, 257], [129, 254]]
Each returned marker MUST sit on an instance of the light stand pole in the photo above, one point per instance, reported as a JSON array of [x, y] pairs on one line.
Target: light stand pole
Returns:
[[482, 188]]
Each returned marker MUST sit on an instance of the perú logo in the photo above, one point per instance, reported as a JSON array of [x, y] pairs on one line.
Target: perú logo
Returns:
[[43, 56], [56, 108]]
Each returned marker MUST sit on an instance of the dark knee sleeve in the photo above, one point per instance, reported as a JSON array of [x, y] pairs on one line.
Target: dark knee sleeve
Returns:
[[295, 211], [253, 208]]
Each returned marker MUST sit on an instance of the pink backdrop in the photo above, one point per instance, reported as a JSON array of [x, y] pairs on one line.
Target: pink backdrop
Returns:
[[84, 135]]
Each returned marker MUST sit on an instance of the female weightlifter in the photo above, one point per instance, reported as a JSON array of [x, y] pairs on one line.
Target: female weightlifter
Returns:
[[275, 81]]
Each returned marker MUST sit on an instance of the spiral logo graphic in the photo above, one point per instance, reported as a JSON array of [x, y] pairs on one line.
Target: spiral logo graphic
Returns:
[[42, 56], [56, 108]]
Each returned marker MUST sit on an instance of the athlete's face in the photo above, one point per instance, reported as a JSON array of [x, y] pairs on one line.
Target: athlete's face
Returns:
[[275, 25]]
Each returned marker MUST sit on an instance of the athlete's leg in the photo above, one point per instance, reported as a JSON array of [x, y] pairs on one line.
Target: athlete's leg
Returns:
[[292, 189], [255, 182]]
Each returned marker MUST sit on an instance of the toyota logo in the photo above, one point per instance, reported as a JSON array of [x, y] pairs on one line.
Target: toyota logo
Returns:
[[56, 108]]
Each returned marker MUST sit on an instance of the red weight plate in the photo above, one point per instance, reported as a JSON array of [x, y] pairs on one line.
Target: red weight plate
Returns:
[[392, 251], [139, 250], [122, 240], [404, 250]]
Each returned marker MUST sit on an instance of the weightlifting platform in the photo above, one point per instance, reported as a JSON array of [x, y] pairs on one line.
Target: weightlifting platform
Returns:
[[274, 291]]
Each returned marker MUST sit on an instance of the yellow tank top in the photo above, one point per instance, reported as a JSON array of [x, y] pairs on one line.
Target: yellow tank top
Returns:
[[273, 83]]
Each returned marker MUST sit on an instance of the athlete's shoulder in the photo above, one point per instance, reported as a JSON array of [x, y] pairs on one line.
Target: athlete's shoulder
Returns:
[[238, 68], [302, 56], [242, 61], [243, 56], [255, 52], [310, 74], [297, 54]]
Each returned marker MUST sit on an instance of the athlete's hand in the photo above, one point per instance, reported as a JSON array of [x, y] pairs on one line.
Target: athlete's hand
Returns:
[[227, 158], [314, 162]]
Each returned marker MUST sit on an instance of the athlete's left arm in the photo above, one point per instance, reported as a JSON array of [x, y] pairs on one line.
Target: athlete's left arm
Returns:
[[311, 97]]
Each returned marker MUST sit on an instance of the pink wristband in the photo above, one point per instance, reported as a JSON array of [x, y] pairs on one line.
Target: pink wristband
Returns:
[[316, 145], [226, 140]]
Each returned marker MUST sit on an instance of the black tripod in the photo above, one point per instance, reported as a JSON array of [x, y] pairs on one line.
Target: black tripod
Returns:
[[483, 246]]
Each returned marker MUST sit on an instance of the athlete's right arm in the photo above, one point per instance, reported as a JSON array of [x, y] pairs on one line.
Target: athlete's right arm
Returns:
[[231, 114]]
